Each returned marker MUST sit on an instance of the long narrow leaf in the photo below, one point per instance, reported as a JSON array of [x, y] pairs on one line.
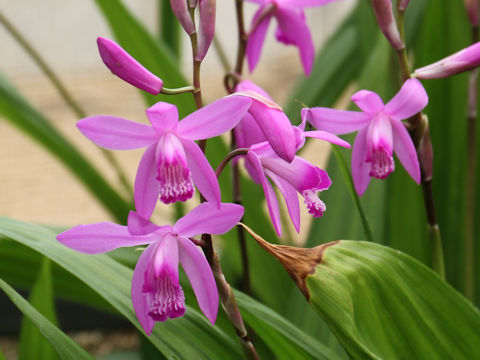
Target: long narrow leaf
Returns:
[[65, 347]]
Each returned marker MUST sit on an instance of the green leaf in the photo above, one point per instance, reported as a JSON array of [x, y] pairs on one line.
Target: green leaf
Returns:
[[285, 340], [152, 53], [65, 347], [189, 337], [383, 304], [19, 113], [32, 343], [169, 28]]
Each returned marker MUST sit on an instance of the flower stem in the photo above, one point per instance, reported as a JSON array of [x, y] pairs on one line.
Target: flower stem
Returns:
[[471, 169], [63, 92], [419, 132], [242, 37], [177, 91], [227, 298], [230, 156]]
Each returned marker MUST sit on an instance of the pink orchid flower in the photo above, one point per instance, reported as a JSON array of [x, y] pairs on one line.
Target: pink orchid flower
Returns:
[[127, 68], [297, 176], [271, 122], [156, 292], [380, 131], [173, 162], [292, 28]]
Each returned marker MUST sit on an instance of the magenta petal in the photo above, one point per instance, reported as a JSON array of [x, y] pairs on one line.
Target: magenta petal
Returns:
[[100, 237], [139, 299], [207, 218], [405, 150], [138, 225], [272, 202], [146, 187], [291, 198], [247, 132], [163, 116], [206, 31], [294, 27], [127, 68], [203, 175], [257, 37], [214, 119], [277, 129], [305, 3], [200, 275], [324, 135], [368, 101], [410, 100], [360, 168], [337, 122], [115, 133], [247, 85]]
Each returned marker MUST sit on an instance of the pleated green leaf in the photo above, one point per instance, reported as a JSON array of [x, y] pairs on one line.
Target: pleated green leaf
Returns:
[[32, 344], [65, 347], [152, 53], [383, 304], [19, 113], [189, 337]]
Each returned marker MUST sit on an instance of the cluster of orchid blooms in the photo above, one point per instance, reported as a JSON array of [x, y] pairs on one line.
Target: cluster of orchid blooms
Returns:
[[173, 164]]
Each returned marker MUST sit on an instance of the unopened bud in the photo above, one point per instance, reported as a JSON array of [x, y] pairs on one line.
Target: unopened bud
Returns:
[[464, 60], [384, 14], [472, 10], [207, 11], [182, 12], [425, 151], [402, 4], [127, 68]]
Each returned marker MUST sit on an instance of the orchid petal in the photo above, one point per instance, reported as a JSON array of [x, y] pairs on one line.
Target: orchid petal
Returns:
[[100, 237], [410, 100], [214, 119], [247, 85], [146, 187], [326, 136], [294, 27], [305, 3], [165, 258], [337, 122], [203, 175], [368, 101], [291, 198], [277, 129], [247, 132], [163, 116], [257, 37], [301, 174], [405, 150], [207, 218], [200, 275], [360, 168], [272, 202], [127, 68], [115, 133], [139, 300], [138, 225]]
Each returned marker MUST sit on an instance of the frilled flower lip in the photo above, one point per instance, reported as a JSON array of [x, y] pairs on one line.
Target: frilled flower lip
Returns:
[[205, 218], [210, 121], [410, 100]]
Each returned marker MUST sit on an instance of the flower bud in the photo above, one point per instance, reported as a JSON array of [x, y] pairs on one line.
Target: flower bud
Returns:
[[182, 12], [402, 4], [127, 68], [207, 10], [463, 60], [472, 10], [425, 152], [386, 21]]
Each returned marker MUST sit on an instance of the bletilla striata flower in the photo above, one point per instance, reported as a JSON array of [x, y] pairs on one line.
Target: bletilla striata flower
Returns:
[[380, 131], [173, 162], [292, 28], [127, 68], [271, 122], [156, 292]]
